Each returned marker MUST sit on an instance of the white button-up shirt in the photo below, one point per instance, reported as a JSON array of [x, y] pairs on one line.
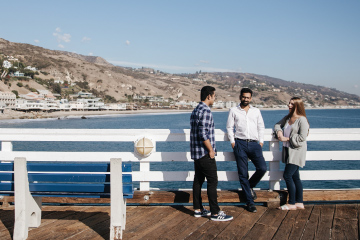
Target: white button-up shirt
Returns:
[[248, 125]]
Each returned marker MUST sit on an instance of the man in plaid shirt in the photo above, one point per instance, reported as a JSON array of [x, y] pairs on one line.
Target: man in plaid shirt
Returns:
[[203, 151]]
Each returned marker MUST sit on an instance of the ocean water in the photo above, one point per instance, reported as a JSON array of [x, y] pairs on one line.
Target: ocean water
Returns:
[[318, 118]]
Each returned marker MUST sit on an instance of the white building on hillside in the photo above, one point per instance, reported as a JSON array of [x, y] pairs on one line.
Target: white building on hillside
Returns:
[[31, 68], [58, 80], [35, 105], [218, 105], [47, 95], [32, 96], [19, 74], [7, 64], [7, 99], [230, 104], [115, 106], [87, 104], [85, 95]]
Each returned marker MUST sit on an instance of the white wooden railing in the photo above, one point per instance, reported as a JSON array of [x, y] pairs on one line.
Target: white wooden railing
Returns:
[[145, 176]]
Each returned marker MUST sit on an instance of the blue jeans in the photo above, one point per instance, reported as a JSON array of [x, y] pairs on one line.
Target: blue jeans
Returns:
[[249, 150], [293, 183], [205, 167]]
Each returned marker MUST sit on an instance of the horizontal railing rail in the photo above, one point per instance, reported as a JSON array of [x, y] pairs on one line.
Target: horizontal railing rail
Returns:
[[145, 175]]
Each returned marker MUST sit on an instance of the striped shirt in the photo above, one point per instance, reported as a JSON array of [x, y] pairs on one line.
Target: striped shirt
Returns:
[[202, 129]]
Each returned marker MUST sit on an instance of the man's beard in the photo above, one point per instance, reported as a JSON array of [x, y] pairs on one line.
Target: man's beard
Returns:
[[245, 103]]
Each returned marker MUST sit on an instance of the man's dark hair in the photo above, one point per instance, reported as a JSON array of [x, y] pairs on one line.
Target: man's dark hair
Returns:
[[206, 91], [245, 90]]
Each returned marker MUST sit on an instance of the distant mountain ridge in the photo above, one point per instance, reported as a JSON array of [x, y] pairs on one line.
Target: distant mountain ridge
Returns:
[[90, 59], [280, 82], [119, 84]]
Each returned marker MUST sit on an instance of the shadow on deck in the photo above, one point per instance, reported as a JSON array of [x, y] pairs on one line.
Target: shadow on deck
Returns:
[[339, 221]]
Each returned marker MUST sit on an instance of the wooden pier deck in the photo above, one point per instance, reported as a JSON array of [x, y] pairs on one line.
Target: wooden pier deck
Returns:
[[329, 221]]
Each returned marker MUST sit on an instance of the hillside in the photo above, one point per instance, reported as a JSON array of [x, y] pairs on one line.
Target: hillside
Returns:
[[119, 84]]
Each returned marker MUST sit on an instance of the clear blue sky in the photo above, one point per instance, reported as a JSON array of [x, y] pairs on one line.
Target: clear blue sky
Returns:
[[306, 41]]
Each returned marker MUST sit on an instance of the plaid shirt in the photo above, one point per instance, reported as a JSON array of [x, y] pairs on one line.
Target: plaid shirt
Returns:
[[202, 129]]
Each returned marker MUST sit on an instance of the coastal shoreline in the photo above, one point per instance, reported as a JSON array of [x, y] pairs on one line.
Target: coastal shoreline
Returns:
[[13, 115]]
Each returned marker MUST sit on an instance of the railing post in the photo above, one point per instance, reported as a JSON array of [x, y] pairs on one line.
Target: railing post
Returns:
[[117, 202], [6, 146], [274, 166], [144, 167]]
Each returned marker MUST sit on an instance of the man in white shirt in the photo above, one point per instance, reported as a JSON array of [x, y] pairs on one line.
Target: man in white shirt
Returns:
[[247, 142]]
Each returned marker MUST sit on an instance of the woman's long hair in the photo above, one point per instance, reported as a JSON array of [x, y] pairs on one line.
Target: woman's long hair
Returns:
[[298, 106]]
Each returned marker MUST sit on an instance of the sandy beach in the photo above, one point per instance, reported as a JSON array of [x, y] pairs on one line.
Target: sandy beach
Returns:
[[11, 114]]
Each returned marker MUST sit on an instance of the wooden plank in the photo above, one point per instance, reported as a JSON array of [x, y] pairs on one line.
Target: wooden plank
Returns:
[[300, 223], [211, 229], [312, 225], [45, 215], [243, 220], [142, 228], [345, 224], [168, 227], [57, 220], [60, 229], [185, 226], [267, 225], [287, 225], [185, 196], [6, 223], [94, 226], [331, 195], [140, 213], [99, 226], [79, 222], [325, 222], [147, 197]]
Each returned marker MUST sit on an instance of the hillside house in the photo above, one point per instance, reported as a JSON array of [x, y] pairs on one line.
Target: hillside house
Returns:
[[18, 74], [7, 99], [115, 106], [6, 64], [230, 104], [47, 95], [87, 104], [31, 68], [219, 105], [85, 95], [35, 105], [11, 58], [59, 81], [32, 96]]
